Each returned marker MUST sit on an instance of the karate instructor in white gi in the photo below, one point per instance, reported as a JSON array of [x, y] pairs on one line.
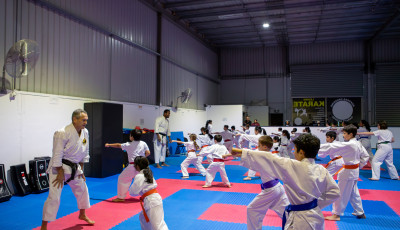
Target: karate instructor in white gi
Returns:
[[70, 151], [161, 131]]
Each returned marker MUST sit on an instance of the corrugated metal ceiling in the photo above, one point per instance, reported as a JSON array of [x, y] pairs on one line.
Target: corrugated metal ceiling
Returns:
[[238, 23]]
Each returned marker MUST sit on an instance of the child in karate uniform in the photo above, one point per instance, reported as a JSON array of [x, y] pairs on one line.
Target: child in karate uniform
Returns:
[[227, 136], [152, 215], [134, 149], [384, 152], [191, 158], [272, 195], [308, 186], [355, 157], [253, 140], [205, 139], [216, 151], [336, 162], [365, 140]]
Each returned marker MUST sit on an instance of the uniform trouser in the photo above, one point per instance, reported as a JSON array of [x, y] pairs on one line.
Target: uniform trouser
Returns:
[[348, 192], [335, 166], [272, 198], [212, 169], [196, 162], [251, 173], [384, 153], [229, 145], [284, 152], [367, 145], [125, 180], [78, 187], [156, 219], [160, 149]]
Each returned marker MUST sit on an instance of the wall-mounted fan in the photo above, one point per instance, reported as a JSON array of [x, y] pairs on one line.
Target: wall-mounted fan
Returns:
[[20, 60], [185, 96]]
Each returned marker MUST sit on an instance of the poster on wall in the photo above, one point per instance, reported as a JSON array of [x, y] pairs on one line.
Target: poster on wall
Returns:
[[308, 111], [344, 109]]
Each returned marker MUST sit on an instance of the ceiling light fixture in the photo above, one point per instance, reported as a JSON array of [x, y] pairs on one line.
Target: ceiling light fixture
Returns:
[[265, 25]]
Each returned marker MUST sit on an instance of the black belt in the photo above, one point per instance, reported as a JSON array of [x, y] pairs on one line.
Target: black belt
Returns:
[[162, 134], [74, 167]]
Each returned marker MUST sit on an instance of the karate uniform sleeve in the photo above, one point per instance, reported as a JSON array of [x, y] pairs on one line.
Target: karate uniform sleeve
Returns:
[[59, 142], [205, 151], [138, 184], [331, 193], [156, 126], [364, 157], [251, 138], [266, 162], [145, 146], [331, 148]]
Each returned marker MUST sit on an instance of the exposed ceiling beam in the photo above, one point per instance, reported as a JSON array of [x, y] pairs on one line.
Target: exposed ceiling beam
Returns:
[[388, 23], [192, 3], [257, 7]]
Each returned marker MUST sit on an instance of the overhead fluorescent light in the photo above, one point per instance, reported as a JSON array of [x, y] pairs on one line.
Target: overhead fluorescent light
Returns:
[[230, 16], [265, 25]]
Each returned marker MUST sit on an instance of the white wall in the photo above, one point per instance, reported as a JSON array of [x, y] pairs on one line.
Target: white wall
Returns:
[[224, 115], [29, 122]]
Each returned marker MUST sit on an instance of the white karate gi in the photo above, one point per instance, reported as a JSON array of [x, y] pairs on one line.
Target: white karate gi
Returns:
[[384, 152], [160, 148], [334, 166], [365, 140], [353, 153], [205, 141], [133, 149], [273, 198], [216, 151], [253, 142], [227, 136], [304, 181], [192, 159], [284, 146], [69, 145], [244, 144], [152, 204]]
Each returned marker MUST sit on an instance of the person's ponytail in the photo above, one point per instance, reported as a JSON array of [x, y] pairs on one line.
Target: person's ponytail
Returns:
[[143, 164]]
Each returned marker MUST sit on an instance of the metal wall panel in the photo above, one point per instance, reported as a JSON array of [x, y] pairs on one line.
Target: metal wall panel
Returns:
[[386, 50], [387, 93], [241, 62], [341, 80], [252, 62], [174, 81], [321, 53], [74, 59], [207, 93], [187, 51], [129, 19], [133, 74]]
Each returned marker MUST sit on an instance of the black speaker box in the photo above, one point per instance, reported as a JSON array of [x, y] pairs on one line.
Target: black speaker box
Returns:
[[20, 180], [5, 193], [38, 176], [105, 126]]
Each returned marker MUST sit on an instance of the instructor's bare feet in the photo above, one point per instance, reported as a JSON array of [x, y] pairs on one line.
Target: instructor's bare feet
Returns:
[[44, 225], [118, 200], [163, 164], [333, 217], [85, 218], [158, 166]]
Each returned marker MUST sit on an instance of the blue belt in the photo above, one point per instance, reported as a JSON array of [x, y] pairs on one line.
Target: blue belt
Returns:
[[300, 207], [269, 184]]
